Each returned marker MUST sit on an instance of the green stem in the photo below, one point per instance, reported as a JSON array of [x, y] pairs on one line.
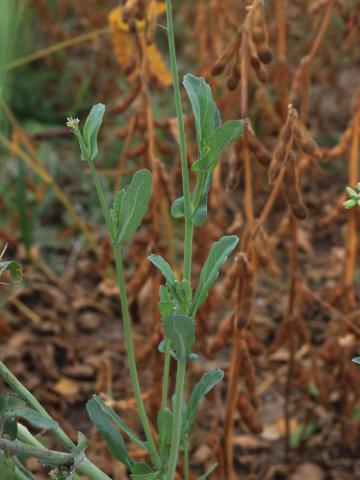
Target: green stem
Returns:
[[131, 356], [165, 383], [102, 200], [182, 141], [25, 436], [57, 458], [176, 428], [181, 366], [86, 467]]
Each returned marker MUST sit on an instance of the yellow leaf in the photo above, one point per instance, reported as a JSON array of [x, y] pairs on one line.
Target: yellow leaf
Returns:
[[66, 387], [157, 66]]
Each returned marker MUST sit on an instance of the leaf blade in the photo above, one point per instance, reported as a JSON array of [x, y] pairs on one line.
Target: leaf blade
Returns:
[[221, 138], [91, 129], [218, 255], [134, 205], [203, 106], [207, 382], [164, 268], [119, 421], [110, 434]]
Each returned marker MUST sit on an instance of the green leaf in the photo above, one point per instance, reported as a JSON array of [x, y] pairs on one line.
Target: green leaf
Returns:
[[7, 468], [178, 208], [200, 213], [9, 402], [10, 427], [142, 471], [164, 268], [133, 206], [202, 388], [208, 472], [228, 132], [206, 114], [118, 421], [91, 130], [115, 212], [110, 434], [349, 203], [166, 305], [313, 390], [36, 419], [218, 255], [165, 420], [14, 268], [183, 296], [302, 433], [180, 329]]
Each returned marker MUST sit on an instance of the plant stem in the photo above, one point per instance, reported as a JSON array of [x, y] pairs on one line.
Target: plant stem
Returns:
[[58, 458], [86, 467], [181, 366], [131, 356], [182, 141], [102, 199], [126, 321], [176, 428], [165, 382]]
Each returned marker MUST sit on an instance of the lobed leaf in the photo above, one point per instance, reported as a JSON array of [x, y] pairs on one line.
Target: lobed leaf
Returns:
[[109, 433], [219, 253], [180, 329], [133, 205]]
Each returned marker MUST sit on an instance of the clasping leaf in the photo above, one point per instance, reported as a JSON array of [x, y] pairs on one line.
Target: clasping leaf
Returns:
[[180, 329]]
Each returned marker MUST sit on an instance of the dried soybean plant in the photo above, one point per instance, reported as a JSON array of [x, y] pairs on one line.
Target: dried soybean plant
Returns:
[[247, 52]]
